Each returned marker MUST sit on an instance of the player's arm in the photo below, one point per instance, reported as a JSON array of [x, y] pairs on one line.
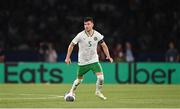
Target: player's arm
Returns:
[[69, 52], [106, 50]]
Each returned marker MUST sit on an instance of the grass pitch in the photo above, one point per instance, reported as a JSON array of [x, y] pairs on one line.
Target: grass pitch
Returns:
[[119, 96]]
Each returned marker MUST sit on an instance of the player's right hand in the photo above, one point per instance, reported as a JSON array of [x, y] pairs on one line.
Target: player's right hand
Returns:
[[110, 59], [67, 60]]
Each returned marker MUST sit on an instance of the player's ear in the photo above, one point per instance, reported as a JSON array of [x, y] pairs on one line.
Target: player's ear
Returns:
[[92, 24]]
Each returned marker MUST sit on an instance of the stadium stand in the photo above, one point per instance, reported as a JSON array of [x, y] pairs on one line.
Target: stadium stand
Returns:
[[149, 25]]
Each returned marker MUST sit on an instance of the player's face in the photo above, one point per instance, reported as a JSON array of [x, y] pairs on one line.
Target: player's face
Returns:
[[88, 26]]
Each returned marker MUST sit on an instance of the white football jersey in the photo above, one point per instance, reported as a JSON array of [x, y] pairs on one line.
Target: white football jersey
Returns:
[[87, 53]]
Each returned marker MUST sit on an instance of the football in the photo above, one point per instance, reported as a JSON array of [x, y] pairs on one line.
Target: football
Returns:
[[69, 97]]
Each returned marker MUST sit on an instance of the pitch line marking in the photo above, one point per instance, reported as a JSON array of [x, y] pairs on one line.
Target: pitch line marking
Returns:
[[31, 98]]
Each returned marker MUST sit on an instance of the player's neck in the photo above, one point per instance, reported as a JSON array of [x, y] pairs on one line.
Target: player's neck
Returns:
[[90, 33]]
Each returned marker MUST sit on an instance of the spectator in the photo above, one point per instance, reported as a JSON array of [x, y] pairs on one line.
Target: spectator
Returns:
[[172, 54], [51, 55], [43, 49], [129, 52], [118, 53]]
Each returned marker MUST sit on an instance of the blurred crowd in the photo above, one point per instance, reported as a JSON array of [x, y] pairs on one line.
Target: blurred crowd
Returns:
[[135, 30]]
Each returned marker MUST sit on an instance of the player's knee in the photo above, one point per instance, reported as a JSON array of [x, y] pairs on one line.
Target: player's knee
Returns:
[[101, 77], [78, 81]]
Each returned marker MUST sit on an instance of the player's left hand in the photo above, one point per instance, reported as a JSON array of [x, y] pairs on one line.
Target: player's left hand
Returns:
[[110, 59]]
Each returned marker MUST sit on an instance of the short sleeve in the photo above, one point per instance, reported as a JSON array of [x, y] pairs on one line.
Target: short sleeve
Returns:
[[76, 39], [100, 37]]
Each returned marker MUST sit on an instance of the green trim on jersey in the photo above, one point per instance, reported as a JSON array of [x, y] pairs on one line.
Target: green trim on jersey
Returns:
[[88, 34], [83, 69]]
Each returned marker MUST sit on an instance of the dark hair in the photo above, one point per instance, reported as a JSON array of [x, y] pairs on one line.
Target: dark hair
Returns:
[[88, 19]]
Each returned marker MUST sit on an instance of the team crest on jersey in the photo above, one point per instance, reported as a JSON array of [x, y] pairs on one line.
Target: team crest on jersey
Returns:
[[95, 38]]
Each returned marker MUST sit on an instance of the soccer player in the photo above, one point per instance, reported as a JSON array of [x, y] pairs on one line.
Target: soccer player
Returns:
[[87, 40]]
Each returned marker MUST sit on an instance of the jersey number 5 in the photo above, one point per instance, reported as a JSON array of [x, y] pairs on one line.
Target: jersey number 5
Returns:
[[90, 44]]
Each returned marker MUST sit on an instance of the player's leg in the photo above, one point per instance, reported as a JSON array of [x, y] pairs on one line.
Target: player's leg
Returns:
[[75, 84], [100, 80], [99, 84], [80, 72]]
